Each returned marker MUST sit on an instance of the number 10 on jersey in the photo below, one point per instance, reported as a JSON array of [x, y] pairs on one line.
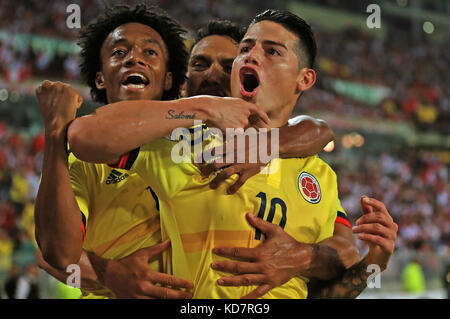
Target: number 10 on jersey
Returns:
[[273, 205]]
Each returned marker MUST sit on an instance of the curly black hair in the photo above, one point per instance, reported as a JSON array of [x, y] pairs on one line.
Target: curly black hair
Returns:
[[221, 27], [93, 35]]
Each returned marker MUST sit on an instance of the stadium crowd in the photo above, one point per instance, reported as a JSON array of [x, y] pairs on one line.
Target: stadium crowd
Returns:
[[417, 94], [20, 166], [414, 187]]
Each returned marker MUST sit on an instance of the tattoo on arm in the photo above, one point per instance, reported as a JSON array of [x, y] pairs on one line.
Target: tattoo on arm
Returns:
[[325, 261], [347, 286], [180, 116]]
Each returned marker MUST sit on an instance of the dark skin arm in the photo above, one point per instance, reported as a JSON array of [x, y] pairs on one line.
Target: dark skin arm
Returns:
[[379, 231], [57, 215], [58, 219], [333, 255], [129, 277], [280, 258], [89, 278], [304, 136], [347, 286]]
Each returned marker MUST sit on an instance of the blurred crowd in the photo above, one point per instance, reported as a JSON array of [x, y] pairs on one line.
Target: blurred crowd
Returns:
[[417, 93], [45, 19], [29, 60], [414, 186], [415, 189], [20, 167]]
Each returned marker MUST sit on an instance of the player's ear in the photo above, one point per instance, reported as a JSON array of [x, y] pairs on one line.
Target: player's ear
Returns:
[[99, 81], [305, 79], [168, 81]]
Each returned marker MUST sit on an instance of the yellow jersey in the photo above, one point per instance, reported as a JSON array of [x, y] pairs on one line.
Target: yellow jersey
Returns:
[[119, 211], [300, 196]]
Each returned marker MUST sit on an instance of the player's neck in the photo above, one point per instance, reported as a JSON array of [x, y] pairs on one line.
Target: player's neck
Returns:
[[280, 118]]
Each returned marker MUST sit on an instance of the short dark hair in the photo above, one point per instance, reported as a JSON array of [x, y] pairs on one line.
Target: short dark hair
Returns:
[[221, 27], [93, 35], [296, 25]]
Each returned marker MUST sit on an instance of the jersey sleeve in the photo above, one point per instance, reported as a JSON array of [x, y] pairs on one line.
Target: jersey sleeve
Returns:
[[127, 160], [79, 185], [341, 217], [153, 162], [145, 162], [335, 209]]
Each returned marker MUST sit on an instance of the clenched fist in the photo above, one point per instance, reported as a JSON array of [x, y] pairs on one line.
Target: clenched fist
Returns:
[[59, 103]]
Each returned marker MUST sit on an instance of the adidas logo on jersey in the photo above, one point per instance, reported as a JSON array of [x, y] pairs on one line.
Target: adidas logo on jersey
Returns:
[[116, 177]]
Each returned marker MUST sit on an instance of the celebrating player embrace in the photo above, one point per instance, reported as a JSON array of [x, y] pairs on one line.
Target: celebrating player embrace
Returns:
[[297, 205]]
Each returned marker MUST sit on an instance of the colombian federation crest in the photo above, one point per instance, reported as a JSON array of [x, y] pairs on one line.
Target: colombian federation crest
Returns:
[[309, 188]]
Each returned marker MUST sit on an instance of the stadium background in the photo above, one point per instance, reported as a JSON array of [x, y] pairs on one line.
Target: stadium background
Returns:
[[384, 91]]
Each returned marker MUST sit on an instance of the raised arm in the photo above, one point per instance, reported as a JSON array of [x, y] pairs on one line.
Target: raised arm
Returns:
[[57, 216], [117, 128]]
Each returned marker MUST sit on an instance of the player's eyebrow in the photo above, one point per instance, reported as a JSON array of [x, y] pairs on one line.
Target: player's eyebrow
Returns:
[[275, 43], [125, 40], [204, 58], [266, 42], [227, 60], [248, 40], [117, 41], [271, 42], [200, 57], [153, 41]]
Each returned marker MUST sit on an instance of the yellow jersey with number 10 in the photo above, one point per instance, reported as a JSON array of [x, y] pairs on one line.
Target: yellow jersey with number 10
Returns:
[[300, 196]]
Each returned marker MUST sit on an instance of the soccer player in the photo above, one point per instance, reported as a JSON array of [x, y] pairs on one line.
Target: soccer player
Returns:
[[209, 66], [209, 71], [179, 186], [118, 210]]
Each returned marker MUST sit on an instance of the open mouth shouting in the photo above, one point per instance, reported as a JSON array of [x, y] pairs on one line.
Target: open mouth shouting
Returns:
[[135, 81], [249, 82]]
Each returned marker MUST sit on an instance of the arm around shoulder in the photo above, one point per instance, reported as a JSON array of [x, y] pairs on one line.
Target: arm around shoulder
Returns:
[[304, 136]]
